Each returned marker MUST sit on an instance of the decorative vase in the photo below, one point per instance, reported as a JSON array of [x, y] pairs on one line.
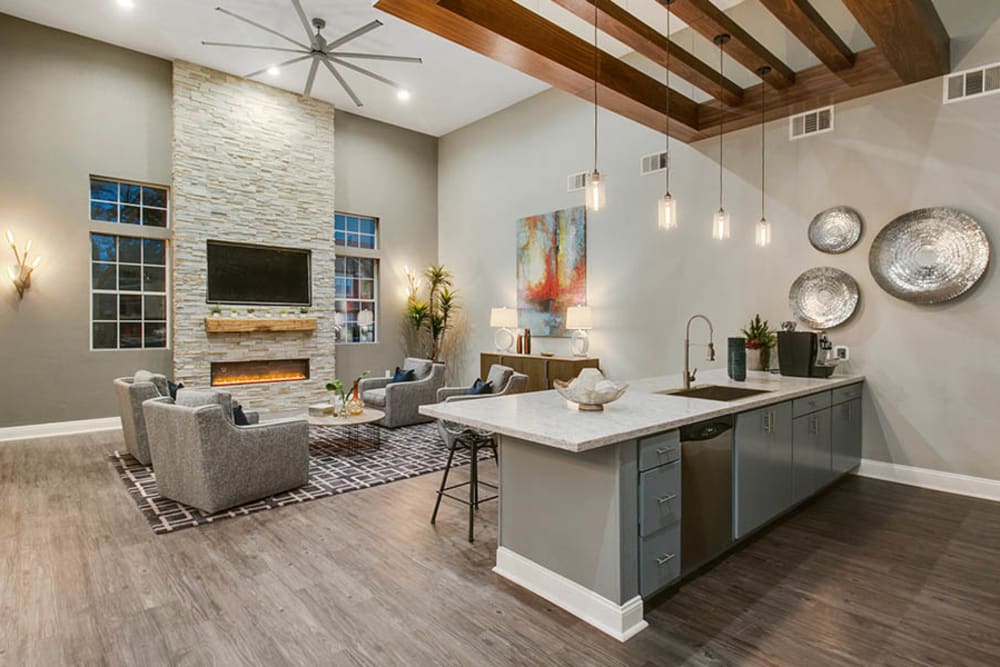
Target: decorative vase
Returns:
[[354, 406], [754, 360], [765, 358], [736, 360]]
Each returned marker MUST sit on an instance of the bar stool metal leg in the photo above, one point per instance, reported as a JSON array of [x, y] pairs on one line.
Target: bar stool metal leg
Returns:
[[473, 484], [444, 479]]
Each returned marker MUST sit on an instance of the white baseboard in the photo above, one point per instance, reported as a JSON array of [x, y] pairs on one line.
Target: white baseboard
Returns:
[[937, 480], [619, 621], [51, 429]]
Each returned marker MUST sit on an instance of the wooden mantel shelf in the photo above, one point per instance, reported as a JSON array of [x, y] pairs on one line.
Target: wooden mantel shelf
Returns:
[[253, 324]]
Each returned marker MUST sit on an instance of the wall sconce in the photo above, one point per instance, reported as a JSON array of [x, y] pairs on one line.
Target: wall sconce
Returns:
[[412, 283], [20, 273]]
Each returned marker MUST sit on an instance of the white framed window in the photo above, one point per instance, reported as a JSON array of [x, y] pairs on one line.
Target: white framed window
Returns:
[[356, 299], [128, 285], [129, 202], [355, 231]]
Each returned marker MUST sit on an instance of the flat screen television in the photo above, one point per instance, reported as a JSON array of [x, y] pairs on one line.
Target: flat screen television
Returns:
[[257, 274]]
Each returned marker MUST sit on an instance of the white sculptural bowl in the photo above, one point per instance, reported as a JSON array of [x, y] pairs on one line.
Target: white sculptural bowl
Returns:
[[590, 390]]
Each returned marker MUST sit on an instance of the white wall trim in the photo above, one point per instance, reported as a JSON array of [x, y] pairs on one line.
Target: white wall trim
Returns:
[[51, 429], [619, 621], [937, 480]]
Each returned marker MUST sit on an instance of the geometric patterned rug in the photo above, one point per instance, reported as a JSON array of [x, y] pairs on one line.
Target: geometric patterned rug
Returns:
[[334, 468]]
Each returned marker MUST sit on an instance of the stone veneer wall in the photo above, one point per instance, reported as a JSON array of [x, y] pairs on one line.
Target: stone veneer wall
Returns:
[[252, 164]]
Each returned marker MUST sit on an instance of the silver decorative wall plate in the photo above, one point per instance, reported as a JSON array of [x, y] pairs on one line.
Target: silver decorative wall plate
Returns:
[[824, 297], [835, 230], [929, 255]]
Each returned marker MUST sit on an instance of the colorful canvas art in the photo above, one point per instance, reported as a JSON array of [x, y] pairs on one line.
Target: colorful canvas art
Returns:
[[551, 269]]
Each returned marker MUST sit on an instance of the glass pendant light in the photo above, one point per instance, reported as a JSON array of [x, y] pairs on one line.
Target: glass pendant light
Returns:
[[762, 233], [720, 223], [595, 186], [667, 207]]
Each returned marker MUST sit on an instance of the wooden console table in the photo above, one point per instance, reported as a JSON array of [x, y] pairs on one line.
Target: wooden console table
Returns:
[[541, 371]]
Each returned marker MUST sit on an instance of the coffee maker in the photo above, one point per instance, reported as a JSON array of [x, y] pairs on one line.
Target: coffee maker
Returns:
[[805, 353]]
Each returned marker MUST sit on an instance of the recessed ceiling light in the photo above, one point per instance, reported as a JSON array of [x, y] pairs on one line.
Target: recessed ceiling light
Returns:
[[403, 95], [274, 70], [127, 4]]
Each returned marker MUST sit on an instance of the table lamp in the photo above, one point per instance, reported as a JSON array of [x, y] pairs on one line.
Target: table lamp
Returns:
[[504, 320], [579, 319]]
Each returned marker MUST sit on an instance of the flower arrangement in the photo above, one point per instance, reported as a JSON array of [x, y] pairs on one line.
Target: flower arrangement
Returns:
[[338, 386], [760, 338]]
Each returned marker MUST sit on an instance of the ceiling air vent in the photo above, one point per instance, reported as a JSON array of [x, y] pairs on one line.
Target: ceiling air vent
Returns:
[[972, 83], [577, 181], [652, 163], [810, 123]]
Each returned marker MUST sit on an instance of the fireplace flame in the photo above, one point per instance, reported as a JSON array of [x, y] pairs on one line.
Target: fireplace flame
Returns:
[[230, 380]]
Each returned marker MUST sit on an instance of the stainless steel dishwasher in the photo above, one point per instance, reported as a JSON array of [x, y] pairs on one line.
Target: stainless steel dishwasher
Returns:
[[706, 491]]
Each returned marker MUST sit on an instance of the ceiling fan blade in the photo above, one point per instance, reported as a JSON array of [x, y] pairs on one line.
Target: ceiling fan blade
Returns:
[[362, 70], [287, 62], [342, 82], [354, 34], [263, 27], [312, 77], [253, 46], [305, 21], [376, 56]]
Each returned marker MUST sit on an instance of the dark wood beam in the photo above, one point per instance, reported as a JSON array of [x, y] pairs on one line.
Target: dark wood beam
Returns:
[[813, 31], [708, 20], [814, 87], [910, 34], [516, 36], [618, 22]]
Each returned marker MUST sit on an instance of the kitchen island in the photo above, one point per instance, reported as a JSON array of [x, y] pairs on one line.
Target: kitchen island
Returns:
[[591, 503]]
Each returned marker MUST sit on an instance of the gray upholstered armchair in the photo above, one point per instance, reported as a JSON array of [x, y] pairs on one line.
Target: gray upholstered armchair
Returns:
[[504, 381], [401, 401], [204, 460], [131, 392]]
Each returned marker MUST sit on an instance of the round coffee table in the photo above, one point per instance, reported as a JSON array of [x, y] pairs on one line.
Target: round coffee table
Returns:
[[360, 429]]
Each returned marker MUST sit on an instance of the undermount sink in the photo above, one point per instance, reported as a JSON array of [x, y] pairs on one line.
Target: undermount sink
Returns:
[[713, 392]]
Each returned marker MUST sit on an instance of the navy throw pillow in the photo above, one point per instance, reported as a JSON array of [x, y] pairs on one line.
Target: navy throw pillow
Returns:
[[479, 388], [240, 417], [172, 388], [404, 376]]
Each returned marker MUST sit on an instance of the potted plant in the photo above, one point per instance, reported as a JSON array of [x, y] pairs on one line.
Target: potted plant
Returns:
[[303, 311], [760, 339], [234, 313], [216, 311], [430, 318], [251, 311], [352, 406], [284, 312]]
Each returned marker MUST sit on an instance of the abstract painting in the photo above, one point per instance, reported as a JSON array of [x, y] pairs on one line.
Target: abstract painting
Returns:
[[551, 269]]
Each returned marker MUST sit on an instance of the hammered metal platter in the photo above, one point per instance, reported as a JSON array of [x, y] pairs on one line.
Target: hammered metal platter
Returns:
[[929, 255], [824, 297], [835, 230]]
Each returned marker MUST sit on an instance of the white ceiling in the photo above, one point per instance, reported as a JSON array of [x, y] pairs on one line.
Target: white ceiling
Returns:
[[453, 86]]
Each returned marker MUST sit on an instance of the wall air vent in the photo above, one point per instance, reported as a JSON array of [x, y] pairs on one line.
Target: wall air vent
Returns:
[[810, 123], [578, 181], [972, 83], [652, 163]]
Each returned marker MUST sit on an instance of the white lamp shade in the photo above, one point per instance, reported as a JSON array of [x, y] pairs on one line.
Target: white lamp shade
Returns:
[[579, 317], [503, 318], [720, 225]]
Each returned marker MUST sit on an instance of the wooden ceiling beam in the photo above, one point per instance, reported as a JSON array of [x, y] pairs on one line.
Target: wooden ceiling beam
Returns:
[[516, 36], [618, 22], [814, 87], [910, 34], [802, 19], [708, 20]]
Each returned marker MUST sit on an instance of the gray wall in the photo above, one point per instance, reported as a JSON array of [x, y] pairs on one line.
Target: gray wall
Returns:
[[390, 173], [932, 371], [71, 107]]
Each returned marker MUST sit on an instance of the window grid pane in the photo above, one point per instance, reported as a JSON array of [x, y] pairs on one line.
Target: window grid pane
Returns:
[[355, 231], [356, 288], [129, 203], [132, 312]]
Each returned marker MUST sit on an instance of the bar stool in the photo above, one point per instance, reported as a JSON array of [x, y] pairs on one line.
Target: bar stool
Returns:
[[473, 440]]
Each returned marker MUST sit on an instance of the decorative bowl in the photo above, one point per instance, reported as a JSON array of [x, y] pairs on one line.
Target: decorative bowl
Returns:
[[590, 390]]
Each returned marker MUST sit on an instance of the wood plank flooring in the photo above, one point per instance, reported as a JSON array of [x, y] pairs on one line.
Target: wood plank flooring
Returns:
[[870, 573]]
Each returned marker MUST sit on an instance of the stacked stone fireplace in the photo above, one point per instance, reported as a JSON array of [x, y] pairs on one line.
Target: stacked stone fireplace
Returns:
[[251, 164]]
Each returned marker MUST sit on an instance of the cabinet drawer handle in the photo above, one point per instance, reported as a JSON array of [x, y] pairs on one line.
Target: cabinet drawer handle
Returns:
[[665, 450], [667, 498], [663, 560]]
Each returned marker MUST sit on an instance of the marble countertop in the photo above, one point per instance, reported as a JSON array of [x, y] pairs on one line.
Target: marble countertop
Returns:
[[546, 418]]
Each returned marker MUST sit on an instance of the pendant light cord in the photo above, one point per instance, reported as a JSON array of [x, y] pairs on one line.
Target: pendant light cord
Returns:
[[722, 42], [763, 143], [595, 85], [667, 176]]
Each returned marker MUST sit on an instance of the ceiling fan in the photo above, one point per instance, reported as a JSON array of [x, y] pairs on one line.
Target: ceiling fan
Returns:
[[320, 51]]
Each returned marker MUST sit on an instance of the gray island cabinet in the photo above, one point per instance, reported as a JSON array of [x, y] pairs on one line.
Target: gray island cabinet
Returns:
[[594, 507]]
